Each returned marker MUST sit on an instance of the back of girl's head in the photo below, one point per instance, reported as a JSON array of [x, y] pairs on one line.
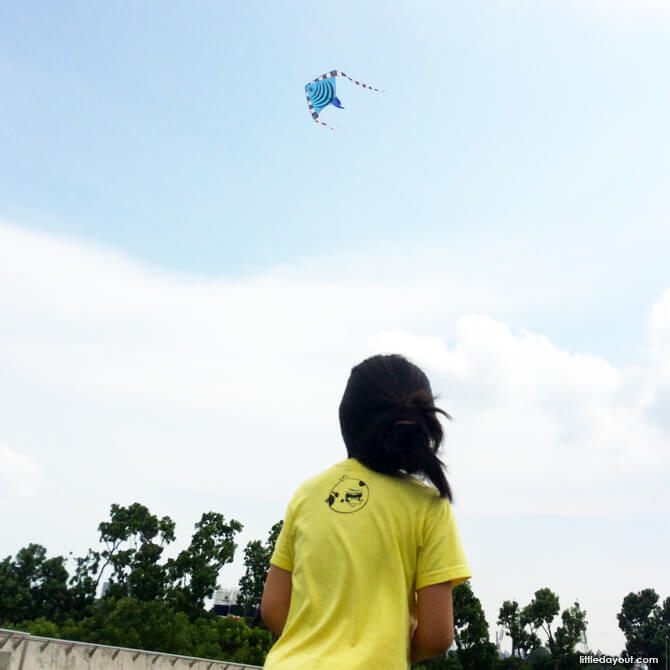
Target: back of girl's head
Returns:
[[389, 420]]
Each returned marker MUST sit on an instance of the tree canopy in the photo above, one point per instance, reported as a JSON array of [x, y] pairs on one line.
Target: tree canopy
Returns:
[[126, 592], [257, 563], [645, 623]]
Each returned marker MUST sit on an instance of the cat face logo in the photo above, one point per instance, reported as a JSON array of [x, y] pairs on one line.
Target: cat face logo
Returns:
[[348, 495]]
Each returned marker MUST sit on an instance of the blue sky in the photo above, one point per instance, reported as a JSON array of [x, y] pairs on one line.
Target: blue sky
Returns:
[[130, 124], [176, 133], [177, 237]]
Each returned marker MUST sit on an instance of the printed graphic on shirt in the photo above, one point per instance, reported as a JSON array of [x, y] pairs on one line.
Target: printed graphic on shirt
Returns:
[[348, 495]]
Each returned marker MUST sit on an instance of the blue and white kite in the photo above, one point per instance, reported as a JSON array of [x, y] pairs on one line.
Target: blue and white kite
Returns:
[[321, 93]]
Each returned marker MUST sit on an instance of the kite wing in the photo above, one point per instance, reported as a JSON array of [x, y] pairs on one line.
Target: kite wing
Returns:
[[321, 93]]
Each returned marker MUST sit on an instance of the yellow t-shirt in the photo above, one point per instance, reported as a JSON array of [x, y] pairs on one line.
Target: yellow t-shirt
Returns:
[[359, 544]]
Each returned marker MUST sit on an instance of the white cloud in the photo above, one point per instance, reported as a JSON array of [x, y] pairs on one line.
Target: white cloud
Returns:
[[627, 6], [658, 405], [126, 383], [659, 335], [539, 429], [614, 9], [20, 477], [118, 373]]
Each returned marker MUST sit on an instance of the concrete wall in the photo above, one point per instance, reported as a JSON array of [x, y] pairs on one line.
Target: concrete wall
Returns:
[[20, 651]]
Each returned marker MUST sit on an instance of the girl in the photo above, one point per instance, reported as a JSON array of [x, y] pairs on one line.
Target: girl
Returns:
[[362, 571]]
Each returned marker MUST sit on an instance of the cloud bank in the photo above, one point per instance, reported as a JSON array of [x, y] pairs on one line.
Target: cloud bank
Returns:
[[20, 477], [116, 373], [627, 6]]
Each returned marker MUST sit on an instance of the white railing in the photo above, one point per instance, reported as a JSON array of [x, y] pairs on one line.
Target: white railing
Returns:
[[22, 651]]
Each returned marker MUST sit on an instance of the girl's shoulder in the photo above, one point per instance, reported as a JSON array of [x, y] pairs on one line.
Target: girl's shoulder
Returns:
[[352, 475]]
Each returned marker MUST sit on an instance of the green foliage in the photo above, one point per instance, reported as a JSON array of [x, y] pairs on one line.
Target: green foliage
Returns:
[[155, 626], [645, 623], [541, 659], [158, 604], [475, 652], [540, 612], [32, 585], [469, 620], [128, 622], [570, 633], [84, 583], [509, 617], [257, 557], [150, 603], [448, 661], [194, 573], [41, 627], [539, 615], [513, 620], [471, 635], [134, 540]]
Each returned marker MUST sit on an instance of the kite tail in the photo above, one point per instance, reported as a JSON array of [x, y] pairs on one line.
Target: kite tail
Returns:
[[315, 114], [337, 73], [324, 124]]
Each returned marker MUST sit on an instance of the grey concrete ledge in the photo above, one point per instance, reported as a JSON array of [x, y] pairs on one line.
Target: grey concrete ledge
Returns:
[[22, 651]]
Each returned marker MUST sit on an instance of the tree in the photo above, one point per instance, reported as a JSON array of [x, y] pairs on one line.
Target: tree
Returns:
[[528, 642], [540, 658], [83, 584], [512, 619], [132, 552], [645, 624], [195, 571], [51, 597], [509, 617], [475, 652], [448, 661], [230, 639], [540, 613], [150, 603], [257, 557], [32, 585], [569, 635], [134, 540], [128, 622]]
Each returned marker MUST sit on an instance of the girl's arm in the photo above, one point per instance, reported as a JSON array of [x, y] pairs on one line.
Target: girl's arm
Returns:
[[276, 599], [434, 631]]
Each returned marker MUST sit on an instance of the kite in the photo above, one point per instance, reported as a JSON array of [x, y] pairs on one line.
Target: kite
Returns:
[[321, 93]]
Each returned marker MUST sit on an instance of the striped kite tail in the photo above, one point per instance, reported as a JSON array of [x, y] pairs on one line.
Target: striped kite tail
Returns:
[[315, 114], [358, 83]]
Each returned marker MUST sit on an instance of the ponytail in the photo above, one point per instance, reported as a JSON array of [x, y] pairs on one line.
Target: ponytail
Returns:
[[389, 420]]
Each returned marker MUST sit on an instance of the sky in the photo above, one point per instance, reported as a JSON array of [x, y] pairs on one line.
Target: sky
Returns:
[[190, 267]]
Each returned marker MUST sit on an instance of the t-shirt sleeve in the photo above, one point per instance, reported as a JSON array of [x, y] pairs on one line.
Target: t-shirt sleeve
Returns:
[[282, 556], [440, 556]]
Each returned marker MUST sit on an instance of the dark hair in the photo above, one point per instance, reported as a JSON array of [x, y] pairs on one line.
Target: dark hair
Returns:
[[389, 420]]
